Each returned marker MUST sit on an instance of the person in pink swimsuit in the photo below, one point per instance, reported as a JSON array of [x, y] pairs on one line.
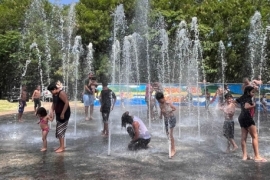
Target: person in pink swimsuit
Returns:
[[43, 122]]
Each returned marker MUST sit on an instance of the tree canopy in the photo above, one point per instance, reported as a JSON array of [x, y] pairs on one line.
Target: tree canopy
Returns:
[[53, 28]]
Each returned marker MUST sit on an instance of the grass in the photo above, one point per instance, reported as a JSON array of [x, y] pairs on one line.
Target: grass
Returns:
[[11, 106], [7, 107]]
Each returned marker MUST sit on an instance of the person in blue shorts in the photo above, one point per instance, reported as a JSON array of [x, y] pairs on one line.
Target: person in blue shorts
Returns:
[[89, 95]]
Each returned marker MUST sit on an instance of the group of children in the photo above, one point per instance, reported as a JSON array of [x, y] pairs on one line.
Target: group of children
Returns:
[[247, 124], [141, 137]]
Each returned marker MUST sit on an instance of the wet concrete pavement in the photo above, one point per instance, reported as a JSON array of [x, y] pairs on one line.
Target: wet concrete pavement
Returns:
[[200, 155]]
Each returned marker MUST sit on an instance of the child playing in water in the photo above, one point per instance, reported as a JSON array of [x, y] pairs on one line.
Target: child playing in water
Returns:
[[228, 126], [166, 109], [247, 124], [150, 101], [263, 101], [107, 102], [207, 99], [44, 118]]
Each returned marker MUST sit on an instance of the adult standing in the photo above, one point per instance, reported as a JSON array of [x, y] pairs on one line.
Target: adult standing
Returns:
[[93, 94], [87, 97], [61, 108]]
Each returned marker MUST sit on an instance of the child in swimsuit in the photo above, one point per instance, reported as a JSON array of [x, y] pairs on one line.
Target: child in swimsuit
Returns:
[[43, 122], [166, 109]]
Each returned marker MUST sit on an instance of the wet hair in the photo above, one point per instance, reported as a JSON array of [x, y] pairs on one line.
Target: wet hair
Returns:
[[228, 95], [126, 119], [93, 78], [52, 86], [159, 95], [247, 90], [246, 96], [104, 84], [42, 112]]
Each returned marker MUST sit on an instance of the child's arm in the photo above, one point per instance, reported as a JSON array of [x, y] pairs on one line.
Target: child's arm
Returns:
[[249, 106], [173, 107], [222, 108], [236, 104], [33, 95], [114, 100], [49, 118], [51, 114], [160, 116], [214, 98]]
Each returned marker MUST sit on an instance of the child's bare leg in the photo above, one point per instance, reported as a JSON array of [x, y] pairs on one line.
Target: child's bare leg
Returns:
[[91, 111], [172, 143], [20, 117], [253, 132], [152, 111], [44, 139], [148, 109], [106, 129], [235, 147], [86, 112], [244, 134], [103, 131], [228, 147]]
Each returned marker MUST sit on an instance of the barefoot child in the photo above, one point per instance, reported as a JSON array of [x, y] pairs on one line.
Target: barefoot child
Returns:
[[228, 126], [137, 131], [22, 103], [247, 124], [106, 98], [44, 118], [166, 109]]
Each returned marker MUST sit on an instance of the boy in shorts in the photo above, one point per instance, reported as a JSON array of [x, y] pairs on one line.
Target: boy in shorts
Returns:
[[228, 126], [166, 109], [107, 102], [22, 103]]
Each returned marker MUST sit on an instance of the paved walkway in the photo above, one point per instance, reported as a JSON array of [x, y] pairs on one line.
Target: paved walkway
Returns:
[[200, 154]]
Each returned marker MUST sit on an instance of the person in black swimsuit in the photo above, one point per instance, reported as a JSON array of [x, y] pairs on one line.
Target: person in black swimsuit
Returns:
[[247, 124]]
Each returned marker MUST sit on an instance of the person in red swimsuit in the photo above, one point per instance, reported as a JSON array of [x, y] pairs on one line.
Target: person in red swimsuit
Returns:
[[43, 122]]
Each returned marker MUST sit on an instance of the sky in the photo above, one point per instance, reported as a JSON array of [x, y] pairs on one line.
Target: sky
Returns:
[[65, 1]]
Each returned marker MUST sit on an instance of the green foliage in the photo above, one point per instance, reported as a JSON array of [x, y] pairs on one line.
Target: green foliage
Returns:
[[228, 21], [9, 58]]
